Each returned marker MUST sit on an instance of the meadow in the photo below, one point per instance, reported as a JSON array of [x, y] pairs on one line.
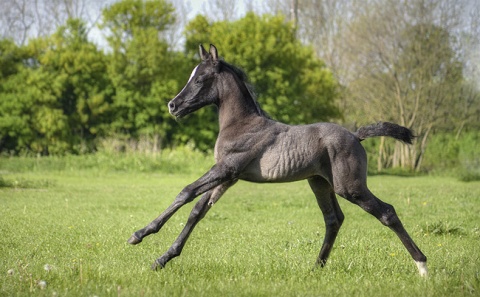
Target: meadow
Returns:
[[64, 222]]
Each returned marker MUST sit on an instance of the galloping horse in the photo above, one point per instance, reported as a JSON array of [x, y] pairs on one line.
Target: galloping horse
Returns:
[[252, 147]]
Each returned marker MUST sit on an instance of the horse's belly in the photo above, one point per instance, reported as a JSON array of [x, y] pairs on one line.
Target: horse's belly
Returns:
[[286, 166]]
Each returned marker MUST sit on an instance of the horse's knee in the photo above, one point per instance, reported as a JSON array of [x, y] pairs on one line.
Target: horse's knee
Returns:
[[384, 212], [184, 197], [388, 216], [340, 219], [334, 221]]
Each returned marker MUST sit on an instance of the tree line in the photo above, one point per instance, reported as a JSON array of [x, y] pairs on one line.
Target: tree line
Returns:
[[61, 93], [414, 62]]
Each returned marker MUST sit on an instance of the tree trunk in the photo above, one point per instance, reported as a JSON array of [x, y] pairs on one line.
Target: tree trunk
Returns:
[[381, 153], [423, 147]]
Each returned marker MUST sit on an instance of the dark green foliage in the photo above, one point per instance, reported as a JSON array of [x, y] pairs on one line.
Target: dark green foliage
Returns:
[[14, 109], [456, 155], [57, 95], [62, 94], [142, 68]]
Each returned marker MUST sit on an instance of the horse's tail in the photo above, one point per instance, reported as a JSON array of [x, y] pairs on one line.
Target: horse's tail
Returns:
[[385, 129]]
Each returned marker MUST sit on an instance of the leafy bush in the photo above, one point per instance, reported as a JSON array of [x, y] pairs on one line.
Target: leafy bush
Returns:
[[458, 156]]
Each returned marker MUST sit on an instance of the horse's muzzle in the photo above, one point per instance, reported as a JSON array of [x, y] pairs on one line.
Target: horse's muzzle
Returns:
[[172, 107]]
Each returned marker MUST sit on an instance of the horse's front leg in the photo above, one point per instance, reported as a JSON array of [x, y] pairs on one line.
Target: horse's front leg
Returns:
[[198, 212], [213, 178]]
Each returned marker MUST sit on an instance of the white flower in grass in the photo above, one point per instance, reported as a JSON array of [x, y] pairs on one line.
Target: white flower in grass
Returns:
[[42, 284]]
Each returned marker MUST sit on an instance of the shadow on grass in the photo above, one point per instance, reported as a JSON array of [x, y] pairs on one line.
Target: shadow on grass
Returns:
[[24, 183]]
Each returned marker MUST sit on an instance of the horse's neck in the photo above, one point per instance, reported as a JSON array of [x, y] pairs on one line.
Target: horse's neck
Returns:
[[236, 106]]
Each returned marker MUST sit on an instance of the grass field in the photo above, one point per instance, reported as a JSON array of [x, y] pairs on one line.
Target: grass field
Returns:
[[64, 229]]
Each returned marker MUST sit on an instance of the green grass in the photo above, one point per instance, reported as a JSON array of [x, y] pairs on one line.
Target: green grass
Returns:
[[67, 225]]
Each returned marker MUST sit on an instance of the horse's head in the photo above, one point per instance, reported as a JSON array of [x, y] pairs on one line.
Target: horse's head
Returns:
[[200, 89]]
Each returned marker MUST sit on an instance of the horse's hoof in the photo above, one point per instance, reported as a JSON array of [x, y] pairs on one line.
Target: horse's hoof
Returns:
[[134, 239], [157, 265]]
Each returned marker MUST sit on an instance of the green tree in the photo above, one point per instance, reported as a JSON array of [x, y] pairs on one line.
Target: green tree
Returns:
[[86, 89], [58, 101], [31, 119], [142, 67], [15, 129]]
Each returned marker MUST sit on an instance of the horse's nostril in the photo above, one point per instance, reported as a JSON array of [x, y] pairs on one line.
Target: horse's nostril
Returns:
[[171, 106]]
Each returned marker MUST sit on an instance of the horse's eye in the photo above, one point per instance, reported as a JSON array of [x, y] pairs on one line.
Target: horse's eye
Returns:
[[198, 80], [201, 78]]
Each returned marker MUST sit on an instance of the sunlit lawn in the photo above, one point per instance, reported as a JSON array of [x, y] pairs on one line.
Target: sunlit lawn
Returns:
[[63, 233]]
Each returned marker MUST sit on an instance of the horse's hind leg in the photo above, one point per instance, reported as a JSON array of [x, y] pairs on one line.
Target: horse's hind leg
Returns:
[[332, 215], [198, 212], [386, 214]]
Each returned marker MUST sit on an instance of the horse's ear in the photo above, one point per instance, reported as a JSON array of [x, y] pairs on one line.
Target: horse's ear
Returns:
[[213, 53], [203, 52]]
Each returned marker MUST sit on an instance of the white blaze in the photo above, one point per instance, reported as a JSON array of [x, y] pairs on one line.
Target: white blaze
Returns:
[[193, 73], [189, 79]]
